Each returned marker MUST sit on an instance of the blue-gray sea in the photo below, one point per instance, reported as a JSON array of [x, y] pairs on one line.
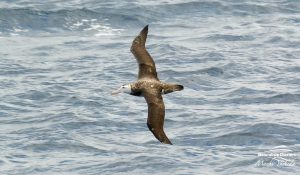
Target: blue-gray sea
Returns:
[[238, 60]]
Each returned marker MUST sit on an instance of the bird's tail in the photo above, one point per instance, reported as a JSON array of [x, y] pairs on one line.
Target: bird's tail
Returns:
[[168, 88], [177, 87]]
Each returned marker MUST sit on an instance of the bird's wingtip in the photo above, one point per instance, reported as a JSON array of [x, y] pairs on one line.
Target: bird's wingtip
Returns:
[[145, 29]]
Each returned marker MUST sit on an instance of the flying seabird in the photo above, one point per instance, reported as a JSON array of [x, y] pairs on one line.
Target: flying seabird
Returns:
[[150, 87]]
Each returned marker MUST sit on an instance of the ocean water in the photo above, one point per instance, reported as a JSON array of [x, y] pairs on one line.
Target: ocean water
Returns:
[[238, 60]]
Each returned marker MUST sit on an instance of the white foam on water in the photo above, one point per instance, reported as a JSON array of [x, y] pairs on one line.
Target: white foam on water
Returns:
[[96, 26]]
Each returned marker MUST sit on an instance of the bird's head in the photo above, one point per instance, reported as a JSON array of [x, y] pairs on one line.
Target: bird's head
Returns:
[[126, 88]]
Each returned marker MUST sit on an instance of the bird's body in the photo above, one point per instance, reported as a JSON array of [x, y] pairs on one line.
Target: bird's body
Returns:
[[153, 86], [150, 87]]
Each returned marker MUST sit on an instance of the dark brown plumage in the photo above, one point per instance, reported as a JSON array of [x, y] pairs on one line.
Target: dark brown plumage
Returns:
[[145, 61], [149, 86]]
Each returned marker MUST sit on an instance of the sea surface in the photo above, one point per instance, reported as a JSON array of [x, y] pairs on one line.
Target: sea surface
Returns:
[[239, 62]]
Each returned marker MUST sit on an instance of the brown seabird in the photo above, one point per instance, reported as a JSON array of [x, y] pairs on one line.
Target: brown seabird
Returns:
[[150, 87]]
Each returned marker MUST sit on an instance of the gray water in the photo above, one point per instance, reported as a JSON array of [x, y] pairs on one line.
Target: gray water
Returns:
[[238, 60]]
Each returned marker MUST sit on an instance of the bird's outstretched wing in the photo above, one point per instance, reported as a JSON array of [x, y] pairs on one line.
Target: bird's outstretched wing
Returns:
[[156, 115], [144, 59]]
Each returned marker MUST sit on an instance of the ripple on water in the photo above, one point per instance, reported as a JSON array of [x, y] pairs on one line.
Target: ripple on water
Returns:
[[257, 134]]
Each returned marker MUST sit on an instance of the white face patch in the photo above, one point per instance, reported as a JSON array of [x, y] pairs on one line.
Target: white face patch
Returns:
[[126, 88]]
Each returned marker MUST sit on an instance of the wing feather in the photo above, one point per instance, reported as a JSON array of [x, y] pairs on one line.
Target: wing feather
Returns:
[[144, 59], [156, 115]]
